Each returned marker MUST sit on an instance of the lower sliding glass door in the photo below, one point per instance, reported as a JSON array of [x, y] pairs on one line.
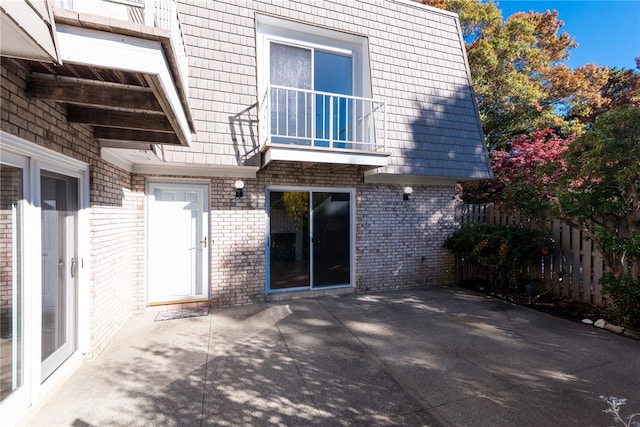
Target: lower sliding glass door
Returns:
[[310, 239]]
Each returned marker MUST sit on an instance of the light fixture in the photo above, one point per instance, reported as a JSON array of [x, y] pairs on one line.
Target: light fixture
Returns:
[[407, 193], [239, 185]]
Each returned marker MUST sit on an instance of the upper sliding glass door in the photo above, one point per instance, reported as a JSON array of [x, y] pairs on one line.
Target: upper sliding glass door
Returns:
[[59, 209], [309, 106], [310, 239]]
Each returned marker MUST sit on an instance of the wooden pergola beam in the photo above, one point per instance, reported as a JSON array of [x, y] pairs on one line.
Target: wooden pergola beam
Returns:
[[132, 135], [94, 93], [118, 119]]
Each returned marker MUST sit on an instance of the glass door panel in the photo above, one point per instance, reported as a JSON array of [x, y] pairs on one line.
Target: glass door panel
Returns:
[[332, 74], [11, 352], [289, 240], [331, 239], [290, 67], [309, 248], [58, 219]]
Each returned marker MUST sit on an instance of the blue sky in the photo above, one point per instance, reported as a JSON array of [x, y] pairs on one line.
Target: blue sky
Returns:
[[608, 32]]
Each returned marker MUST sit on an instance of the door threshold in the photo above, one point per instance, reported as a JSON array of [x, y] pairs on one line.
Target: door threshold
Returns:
[[178, 304], [316, 293]]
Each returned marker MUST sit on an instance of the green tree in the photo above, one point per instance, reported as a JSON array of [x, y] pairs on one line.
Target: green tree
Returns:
[[519, 72], [514, 65], [601, 186], [600, 193]]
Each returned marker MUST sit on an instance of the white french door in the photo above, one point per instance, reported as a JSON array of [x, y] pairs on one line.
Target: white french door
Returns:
[[178, 242], [44, 223], [59, 212]]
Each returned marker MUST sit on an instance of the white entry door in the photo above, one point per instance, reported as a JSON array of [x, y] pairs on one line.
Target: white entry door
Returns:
[[178, 242]]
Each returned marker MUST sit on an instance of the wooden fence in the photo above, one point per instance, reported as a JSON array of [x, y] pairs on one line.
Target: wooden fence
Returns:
[[573, 271]]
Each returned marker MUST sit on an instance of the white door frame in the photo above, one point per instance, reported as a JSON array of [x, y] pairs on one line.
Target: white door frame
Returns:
[[33, 159], [204, 188]]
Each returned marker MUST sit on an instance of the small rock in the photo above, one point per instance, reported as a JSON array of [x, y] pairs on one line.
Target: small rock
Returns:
[[614, 328], [587, 321], [600, 323]]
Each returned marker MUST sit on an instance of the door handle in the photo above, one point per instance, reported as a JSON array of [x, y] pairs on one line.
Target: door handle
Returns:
[[204, 241], [74, 266]]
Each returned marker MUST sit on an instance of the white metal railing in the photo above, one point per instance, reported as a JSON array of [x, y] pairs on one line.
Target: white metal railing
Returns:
[[152, 13], [302, 117]]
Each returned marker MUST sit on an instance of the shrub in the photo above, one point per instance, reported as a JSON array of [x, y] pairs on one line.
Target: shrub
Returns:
[[503, 252], [625, 295]]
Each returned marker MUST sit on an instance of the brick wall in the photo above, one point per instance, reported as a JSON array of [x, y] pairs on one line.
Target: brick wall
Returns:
[[113, 208], [399, 241], [114, 258], [237, 243]]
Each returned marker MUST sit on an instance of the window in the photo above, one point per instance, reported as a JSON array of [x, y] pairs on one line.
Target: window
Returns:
[[320, 74], [314, 82]]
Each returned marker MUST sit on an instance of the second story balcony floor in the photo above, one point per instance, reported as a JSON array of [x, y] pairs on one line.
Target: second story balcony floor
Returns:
[[119, 66]]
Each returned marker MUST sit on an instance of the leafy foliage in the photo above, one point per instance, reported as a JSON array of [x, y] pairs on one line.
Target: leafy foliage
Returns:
[[585, 166], [525, 174], [625, 294], [603, 188], [505, 252], [521, 81]]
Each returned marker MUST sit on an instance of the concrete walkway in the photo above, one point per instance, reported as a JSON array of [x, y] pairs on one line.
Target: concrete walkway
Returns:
[[434, 357]]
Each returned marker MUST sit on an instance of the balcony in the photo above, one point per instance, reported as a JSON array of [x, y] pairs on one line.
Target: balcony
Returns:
[[159, 14], [319, 127], [120, 66]]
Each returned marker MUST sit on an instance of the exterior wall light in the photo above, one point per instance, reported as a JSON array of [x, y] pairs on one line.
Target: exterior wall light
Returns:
[[239, 185], [407, 193]]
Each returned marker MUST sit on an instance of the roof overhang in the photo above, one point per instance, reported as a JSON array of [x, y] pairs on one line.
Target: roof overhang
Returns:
[[27, 31], [376, 177]]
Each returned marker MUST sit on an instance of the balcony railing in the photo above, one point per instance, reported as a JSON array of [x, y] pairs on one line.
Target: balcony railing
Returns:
[[151, 13], [306, 118]]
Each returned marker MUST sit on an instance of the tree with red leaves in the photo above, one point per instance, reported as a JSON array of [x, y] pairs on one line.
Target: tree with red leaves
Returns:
[[525, 174]]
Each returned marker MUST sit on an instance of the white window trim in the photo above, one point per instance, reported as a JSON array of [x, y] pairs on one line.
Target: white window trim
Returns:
[[270, 29]]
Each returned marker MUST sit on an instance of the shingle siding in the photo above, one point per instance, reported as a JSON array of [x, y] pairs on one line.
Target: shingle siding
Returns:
[[417, 65]]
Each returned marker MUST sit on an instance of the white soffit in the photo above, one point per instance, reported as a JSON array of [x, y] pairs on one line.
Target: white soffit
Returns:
[[115, 51], [25, 32]]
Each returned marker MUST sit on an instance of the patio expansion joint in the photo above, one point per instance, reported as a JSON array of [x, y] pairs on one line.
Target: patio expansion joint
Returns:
[[206, 368]]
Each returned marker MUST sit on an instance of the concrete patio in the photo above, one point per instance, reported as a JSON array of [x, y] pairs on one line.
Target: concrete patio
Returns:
[[432, 357]]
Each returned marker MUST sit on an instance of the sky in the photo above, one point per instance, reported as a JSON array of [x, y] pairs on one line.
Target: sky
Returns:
[[607, 31]]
